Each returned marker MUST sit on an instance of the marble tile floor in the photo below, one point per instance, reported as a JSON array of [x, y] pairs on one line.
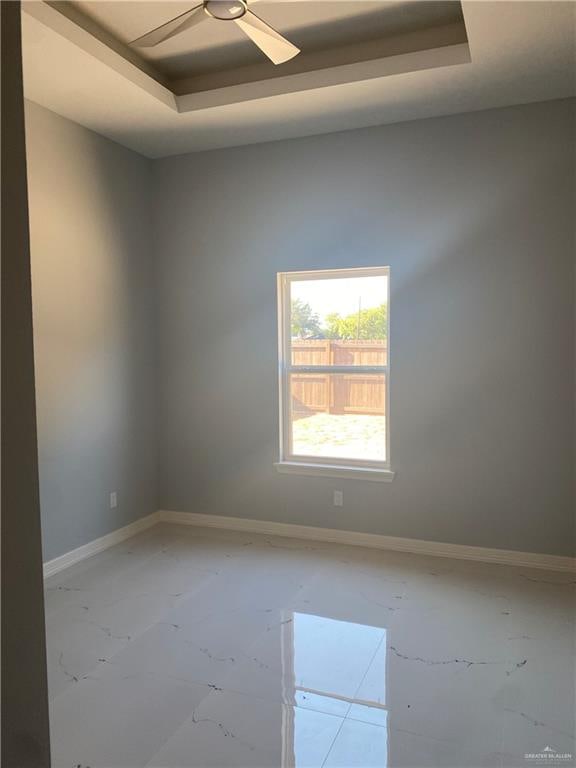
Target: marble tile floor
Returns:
[[194, 648]]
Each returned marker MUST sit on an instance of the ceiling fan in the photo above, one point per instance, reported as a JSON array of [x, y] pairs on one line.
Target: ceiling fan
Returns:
[[270, 42]]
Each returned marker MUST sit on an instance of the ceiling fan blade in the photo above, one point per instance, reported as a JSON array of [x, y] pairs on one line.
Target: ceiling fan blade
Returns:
[[170, 28], [270, 42]]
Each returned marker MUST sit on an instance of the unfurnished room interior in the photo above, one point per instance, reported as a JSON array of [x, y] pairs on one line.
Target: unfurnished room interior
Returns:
[[289, 424]]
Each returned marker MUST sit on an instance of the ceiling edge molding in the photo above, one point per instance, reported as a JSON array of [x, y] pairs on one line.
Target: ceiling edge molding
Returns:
[[86, 22], [446, 56], [51, 17]]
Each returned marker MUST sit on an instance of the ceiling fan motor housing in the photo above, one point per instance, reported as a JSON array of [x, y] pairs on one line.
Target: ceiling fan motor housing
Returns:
[[277, 48], [225, 10]]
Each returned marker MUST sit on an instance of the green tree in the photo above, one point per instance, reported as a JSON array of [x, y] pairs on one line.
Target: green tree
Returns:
[[305, 323], [365, 324]]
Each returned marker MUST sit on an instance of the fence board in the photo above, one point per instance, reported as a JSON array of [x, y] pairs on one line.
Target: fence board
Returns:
[[338, 393]]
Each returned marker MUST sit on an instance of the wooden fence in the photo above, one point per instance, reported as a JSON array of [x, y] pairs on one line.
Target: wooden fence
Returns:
[[338, 393]]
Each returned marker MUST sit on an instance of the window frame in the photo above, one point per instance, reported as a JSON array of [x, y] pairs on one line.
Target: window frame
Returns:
[[290, 462]]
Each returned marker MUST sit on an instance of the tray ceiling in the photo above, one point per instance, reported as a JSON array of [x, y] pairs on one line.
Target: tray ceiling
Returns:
[[362, 63], [312, 26]]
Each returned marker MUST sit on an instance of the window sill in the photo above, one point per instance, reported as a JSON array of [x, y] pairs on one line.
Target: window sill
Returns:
[[334, 470]]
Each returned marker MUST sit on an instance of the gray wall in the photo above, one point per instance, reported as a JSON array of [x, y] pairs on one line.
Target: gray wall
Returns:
[[474, 215], [25, 729], [92, 279]]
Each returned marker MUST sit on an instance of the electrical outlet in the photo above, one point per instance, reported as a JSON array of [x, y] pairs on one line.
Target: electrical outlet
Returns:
[[338, 498], [113, 500]]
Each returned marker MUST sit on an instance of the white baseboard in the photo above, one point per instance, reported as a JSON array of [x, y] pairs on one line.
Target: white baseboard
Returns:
[[353, 538], [374, 541], [98, 545]]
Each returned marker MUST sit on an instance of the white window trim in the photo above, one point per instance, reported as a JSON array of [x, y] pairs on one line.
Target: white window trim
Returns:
[[290, 463]]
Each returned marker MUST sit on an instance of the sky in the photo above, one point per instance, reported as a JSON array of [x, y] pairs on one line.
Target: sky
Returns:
[[341, 294]]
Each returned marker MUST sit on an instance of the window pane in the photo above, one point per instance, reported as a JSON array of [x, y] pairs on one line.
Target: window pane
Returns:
[[338, 416], [339, 321]]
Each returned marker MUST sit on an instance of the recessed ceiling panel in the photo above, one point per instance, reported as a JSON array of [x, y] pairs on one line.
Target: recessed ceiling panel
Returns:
[[519, 52], [216, 46]]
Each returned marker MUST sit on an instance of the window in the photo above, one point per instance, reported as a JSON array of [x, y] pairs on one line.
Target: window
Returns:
[[334, 372]]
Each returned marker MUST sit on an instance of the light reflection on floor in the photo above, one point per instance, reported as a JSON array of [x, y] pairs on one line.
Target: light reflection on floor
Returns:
[[189, 648], [325, 660]]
